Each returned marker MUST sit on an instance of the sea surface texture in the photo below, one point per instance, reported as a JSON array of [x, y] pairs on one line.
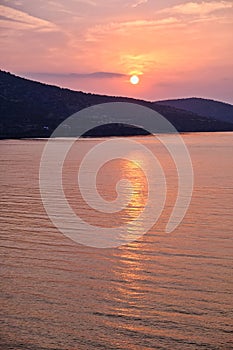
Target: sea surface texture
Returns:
[[162, 291]]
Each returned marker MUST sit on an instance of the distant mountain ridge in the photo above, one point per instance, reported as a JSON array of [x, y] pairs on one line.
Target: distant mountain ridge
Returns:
[[204, 107], [33, 109]]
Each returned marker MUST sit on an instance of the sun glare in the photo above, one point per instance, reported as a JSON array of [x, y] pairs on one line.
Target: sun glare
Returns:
[[134, 79]]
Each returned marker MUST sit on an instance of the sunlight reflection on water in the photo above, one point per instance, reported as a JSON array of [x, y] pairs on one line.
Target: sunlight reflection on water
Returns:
[[163, 291]]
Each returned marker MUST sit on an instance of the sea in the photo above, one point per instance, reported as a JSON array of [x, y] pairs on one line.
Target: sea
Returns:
[[158, 289]]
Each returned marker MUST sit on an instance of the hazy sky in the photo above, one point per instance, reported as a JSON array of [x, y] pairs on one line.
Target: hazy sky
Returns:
[[179, 48]]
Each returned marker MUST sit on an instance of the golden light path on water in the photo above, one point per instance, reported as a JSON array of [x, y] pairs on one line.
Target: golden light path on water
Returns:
[[163, 291]]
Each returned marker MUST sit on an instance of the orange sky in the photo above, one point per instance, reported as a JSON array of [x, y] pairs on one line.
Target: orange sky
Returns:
[[179, 48]]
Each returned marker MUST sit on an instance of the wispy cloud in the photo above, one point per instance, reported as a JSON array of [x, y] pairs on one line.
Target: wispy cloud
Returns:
[[2, 18], [170, 17], [88, 2], [97, 32], [148, 23], [92, 75], [198, 8], [22, 20], [137, 64], [139, 2]]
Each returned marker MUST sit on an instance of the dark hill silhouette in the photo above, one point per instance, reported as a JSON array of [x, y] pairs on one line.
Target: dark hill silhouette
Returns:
[[32, 109], [207, 108]]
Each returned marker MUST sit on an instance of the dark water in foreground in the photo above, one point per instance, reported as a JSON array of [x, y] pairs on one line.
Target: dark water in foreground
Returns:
[[164, 291]]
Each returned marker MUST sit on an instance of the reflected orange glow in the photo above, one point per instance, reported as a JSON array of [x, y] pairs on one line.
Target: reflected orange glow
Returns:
[[134, 172], [136, 176], [129, 268]]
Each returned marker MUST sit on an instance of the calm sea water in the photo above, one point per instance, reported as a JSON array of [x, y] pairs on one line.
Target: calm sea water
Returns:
[[163, 291]]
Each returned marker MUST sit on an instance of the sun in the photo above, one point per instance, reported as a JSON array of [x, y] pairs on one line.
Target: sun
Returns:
[[134, 79]]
